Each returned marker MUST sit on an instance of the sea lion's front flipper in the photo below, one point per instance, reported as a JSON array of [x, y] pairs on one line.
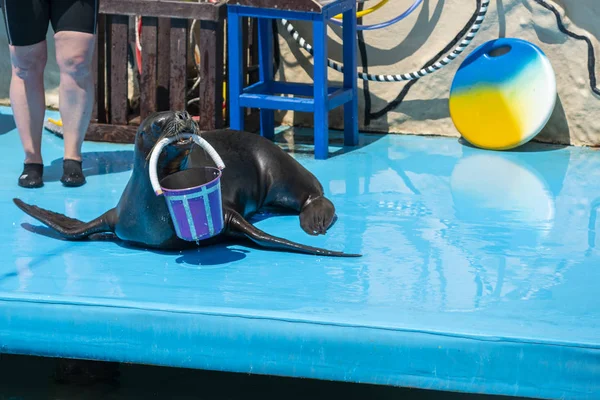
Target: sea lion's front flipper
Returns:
[[69, 228], [236, 224]]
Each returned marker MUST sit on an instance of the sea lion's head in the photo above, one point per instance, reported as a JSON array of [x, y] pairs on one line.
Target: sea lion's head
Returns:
[[161, 125]]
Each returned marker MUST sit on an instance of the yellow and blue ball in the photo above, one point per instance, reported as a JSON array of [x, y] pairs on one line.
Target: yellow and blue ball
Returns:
[[503, 94]]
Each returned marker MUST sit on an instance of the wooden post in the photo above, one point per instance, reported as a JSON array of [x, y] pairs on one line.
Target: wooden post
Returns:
[[211, 74], [99, 111], [148, 79], [163, 61], [117, 54], [178, 58]]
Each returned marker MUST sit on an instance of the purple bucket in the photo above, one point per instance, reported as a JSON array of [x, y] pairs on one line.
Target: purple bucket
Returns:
[[193, 195], [194, 200]]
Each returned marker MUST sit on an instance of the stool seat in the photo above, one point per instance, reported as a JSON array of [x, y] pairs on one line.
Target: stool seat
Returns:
[[258, 96], [319, 97]]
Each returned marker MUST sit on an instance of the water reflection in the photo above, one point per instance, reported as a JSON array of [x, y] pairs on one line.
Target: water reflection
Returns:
[[489, 189], [463, 228], [442, 227], [592, 226]]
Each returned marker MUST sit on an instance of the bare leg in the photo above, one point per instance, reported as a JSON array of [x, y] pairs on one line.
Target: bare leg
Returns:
[[74, 55], [28, 103]]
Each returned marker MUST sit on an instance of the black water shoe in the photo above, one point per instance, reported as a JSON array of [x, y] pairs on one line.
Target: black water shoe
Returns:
[[72, 173], [32, 176]]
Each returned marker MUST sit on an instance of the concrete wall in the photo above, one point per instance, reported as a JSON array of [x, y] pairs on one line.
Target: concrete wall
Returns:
[[406, 46]]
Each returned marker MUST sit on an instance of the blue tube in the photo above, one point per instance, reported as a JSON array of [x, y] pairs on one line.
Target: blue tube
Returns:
[[384, 24]]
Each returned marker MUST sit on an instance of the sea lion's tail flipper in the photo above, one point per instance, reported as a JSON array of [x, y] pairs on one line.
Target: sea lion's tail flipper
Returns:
[[238, 225], [69, 228]]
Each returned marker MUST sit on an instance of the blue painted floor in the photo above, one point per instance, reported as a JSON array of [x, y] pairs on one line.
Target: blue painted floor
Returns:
[[480, 273]]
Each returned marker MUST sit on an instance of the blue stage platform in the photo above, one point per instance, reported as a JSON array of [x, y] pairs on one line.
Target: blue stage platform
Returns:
[[480, 273]]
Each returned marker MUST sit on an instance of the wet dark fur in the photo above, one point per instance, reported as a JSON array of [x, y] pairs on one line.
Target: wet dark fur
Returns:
[[257, 174]]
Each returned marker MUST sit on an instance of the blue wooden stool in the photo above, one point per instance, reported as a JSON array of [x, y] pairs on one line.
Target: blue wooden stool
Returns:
[[265, 94]]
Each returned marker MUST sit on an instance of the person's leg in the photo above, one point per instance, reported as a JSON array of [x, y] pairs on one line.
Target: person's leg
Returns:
[[26, 26], [74, 23], [27, 98], [74, 51]]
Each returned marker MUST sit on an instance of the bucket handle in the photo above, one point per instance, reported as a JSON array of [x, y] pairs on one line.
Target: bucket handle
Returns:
[[165, 142]]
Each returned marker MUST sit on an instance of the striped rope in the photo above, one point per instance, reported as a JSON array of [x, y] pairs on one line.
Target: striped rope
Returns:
[[409, 76]]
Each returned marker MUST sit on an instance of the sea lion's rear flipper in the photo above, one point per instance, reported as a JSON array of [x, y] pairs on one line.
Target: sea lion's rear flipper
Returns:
[[237, 225], [69, 228]]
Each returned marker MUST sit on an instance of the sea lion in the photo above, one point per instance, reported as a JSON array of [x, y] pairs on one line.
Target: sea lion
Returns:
[[258, 173]]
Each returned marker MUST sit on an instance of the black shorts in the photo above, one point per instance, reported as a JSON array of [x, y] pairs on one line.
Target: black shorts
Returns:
[[27, 20]]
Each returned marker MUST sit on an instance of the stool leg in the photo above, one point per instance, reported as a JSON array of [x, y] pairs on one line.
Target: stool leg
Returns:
[[321, 112], [350, 77], [236, 79], [265, 60]]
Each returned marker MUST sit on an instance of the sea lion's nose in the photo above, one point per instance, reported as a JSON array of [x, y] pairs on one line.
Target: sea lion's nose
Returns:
[[183, 115]]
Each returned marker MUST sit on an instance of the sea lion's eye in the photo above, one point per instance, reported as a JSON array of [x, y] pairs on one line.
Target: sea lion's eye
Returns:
[[155, 128]]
